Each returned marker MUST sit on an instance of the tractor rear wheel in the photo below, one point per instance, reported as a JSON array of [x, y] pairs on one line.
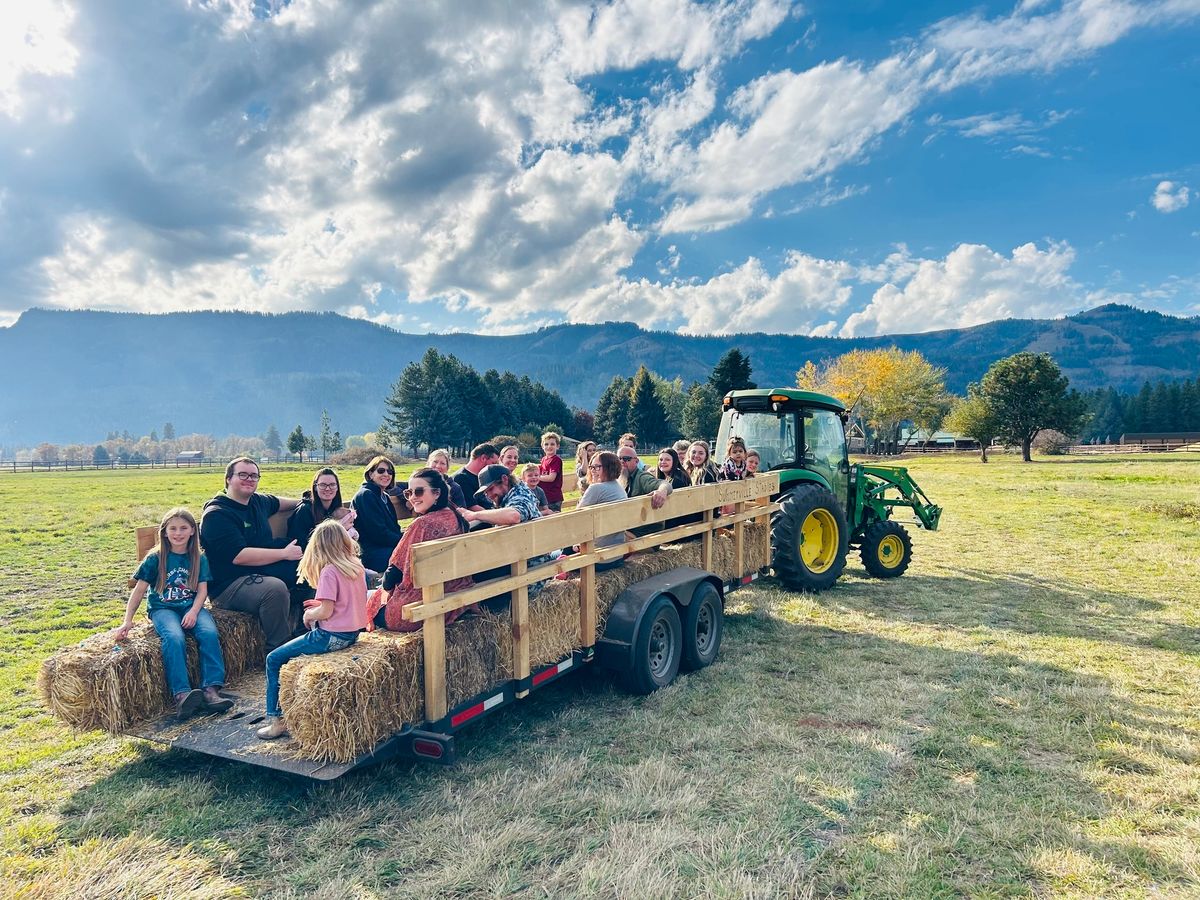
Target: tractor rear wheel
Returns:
[[886, 549], [809, 539]]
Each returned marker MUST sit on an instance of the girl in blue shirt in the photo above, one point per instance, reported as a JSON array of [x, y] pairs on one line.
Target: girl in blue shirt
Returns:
[[175, 577]]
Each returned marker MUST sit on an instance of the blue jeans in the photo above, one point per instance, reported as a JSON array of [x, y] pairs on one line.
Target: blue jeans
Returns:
[[316, 641], [169, 625]]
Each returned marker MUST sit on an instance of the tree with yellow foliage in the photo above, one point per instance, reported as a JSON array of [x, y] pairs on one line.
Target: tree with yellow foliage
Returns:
[[886, 387]]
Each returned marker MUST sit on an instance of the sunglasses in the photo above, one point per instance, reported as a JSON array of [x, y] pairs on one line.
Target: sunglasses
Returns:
[[418, 491], [247, 476], [626, 458], [382, 471]]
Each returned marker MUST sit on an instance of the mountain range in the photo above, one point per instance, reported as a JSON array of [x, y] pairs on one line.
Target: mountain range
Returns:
[[73, 376]]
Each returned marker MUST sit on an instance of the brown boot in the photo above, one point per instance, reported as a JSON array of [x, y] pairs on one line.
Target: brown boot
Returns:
[[187, 702], [274, 728], [214, 702]]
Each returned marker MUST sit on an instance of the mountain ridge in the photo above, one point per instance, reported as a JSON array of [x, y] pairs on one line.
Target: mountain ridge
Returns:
[[89, 372]]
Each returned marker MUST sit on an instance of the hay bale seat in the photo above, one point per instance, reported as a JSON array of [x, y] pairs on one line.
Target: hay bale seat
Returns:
[[340, 705], [100, 684]]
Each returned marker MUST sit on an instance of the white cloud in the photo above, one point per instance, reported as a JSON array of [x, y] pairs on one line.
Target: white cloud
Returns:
[[33, 42], [1170, 197], [972, 285]]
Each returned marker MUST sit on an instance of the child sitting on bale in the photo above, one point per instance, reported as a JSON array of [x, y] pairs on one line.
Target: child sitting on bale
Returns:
[[176, 578], [331, 565]]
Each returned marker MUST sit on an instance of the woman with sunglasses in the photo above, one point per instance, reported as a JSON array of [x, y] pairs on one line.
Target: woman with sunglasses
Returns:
[[323, 501], [378, 530], [428, 496]]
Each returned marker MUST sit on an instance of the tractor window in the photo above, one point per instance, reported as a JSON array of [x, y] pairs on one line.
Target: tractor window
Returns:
[[825, 445], [773, 435]]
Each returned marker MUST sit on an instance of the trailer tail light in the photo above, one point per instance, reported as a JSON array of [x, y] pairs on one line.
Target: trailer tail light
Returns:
[[547, 674], [471, 712], [427, 748]]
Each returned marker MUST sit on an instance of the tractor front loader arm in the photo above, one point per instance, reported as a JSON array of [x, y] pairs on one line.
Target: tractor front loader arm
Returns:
[[871, 493]]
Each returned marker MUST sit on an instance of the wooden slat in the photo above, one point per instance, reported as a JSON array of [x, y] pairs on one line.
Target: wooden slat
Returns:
[[434, 632], [570, 481], [520, 627], [587, 600], [739, 538], [147, 540], [706, 543]]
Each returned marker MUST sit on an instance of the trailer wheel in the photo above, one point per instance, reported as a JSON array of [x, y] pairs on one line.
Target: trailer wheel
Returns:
[[656, 651], [703, 622], [886, 549], [809, 539]]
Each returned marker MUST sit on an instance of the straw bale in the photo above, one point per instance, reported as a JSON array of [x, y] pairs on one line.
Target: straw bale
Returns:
[[100, 684], [339, 705]]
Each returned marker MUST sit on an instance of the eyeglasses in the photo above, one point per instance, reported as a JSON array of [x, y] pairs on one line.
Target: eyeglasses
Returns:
[[417, 491], [247, 476], [326, 486], [595, 466], [380, 470]]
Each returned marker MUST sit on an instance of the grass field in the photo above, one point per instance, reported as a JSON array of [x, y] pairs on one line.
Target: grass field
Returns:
[[1018, 715]]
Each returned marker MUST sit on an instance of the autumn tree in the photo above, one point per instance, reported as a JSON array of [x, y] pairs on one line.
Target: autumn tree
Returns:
[[1028, 392], [972, 416], [886, 386]]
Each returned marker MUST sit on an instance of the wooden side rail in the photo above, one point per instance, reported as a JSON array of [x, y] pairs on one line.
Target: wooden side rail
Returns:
[[435, 562]]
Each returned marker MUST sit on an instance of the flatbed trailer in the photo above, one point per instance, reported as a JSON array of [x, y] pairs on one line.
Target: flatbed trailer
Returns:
[[635, 645]]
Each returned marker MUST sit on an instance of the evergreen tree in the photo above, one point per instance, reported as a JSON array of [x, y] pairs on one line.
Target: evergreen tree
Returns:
[[297, 442], [326, 443], [672, 396], [701, 413], [731, 373], [612, 411], [153, 436], [100, 456], [272, 441], [168, 432], [647, 416]]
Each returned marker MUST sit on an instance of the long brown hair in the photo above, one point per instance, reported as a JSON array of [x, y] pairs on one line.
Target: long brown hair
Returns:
[[319, 512], [193, 549]]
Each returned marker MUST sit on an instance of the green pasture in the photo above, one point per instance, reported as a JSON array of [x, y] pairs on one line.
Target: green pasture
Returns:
[[1019, 715]]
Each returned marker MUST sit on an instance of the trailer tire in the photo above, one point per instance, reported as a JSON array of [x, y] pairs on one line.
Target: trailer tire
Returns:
[[809, 539], [656, 649], [703, 624], [886, 550]]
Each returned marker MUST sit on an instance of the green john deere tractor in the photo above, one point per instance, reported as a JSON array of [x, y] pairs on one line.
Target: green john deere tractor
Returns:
[[827, 505]]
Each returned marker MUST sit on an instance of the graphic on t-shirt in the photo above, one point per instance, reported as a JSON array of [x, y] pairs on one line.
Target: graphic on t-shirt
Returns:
[[176, 591]]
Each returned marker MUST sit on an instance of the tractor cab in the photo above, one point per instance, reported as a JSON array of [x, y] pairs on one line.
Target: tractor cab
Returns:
[[800, 434]]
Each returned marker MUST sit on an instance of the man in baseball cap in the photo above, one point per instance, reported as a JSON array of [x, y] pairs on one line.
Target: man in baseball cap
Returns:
[[512, 502]]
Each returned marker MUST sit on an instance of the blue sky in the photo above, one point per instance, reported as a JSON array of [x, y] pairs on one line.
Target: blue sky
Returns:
[[832, 168]]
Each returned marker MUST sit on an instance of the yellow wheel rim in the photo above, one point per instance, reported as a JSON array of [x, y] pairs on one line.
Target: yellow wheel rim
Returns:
[[818, 540], [891, 551]]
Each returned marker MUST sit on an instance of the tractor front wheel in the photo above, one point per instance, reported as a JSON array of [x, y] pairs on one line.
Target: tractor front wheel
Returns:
[[809, 539], [886, 549]]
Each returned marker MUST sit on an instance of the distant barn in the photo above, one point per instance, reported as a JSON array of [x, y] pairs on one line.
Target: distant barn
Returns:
[[189, 458]]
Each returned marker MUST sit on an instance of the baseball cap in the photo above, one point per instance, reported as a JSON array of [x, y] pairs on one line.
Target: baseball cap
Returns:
[[489, 475]]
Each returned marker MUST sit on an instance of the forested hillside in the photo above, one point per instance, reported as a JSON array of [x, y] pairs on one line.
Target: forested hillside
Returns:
[[76, 375]]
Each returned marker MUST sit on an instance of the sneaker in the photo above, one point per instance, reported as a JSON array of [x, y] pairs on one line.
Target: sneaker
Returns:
[[274, 728], [214, 702], [186, 703]]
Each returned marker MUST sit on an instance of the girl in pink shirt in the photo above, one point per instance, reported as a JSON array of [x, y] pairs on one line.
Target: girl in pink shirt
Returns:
[[335, 616]]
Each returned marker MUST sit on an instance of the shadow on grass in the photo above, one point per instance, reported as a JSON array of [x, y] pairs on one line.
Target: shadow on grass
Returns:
[[779, 767], [974, 598]]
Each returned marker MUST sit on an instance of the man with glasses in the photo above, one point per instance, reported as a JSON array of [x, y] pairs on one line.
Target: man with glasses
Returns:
[[253, 571], [640, 482]]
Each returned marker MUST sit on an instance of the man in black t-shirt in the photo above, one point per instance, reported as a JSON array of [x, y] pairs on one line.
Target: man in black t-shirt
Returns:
[[467, 477], [253, 571]]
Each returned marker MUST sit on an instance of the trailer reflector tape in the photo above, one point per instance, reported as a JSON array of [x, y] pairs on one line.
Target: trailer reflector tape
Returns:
[[549, 673], [472, 711], [746, 579]]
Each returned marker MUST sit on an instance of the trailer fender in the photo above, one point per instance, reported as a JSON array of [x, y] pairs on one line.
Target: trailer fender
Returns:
[[614, 649]]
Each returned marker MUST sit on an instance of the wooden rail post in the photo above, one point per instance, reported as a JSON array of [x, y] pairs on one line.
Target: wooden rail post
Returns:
[[739, 541], [706, 539], [520, 626], [587, 600], [434, 631]]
